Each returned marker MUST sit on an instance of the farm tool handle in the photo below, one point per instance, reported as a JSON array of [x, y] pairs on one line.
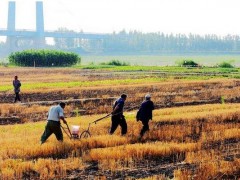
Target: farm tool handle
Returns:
[[110, 114], [97, 121], [131, 108], [101, 118], [128, 109], [64, 129]]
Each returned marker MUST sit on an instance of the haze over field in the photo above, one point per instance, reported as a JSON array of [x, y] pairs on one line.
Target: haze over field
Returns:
[[105, 16], [144, 27]]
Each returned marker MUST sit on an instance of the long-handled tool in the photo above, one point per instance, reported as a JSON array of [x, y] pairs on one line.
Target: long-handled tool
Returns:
[[86, 133], [101, 118], [69, 134]]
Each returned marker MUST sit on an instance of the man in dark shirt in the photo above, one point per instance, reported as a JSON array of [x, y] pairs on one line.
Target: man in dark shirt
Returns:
[[144, 114], [117, 115], [16, 85]]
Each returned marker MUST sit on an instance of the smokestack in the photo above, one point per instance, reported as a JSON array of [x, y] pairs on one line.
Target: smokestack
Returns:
[[11, 16], [39, 17]]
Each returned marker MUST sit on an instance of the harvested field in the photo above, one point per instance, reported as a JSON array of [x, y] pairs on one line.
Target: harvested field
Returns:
[[180, 143], [195, 132], [85, 100]]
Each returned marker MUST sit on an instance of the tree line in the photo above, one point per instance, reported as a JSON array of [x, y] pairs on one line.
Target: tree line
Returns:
[[138, 42], [135, 42]]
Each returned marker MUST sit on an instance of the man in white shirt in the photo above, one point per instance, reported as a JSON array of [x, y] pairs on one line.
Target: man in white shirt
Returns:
[[55, 114]]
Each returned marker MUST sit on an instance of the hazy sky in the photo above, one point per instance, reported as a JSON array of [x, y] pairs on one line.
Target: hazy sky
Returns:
[[105, 16]]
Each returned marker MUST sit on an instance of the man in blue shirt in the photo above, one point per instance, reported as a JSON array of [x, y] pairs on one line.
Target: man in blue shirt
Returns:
[[117, 115], [144, 114]]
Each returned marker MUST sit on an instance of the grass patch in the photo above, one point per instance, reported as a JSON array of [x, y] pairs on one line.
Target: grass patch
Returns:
[[160, 68], [56, 85], [115, 63], [225, 65]]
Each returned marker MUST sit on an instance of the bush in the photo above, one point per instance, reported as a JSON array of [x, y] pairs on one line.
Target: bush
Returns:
[[116, 63], [43, 58], [225, 65], [4, 64], [187, 63]]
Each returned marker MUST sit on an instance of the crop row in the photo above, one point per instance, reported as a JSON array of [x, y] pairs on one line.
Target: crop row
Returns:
[[168, 94]]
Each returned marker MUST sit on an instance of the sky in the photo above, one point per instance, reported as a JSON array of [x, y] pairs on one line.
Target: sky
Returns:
[[219, 17]]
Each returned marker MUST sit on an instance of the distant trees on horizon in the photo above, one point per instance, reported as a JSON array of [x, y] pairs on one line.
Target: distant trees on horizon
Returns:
[[136, 42], [140, 43]]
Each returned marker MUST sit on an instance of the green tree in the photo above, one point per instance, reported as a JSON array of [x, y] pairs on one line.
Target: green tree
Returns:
[[43, 58]]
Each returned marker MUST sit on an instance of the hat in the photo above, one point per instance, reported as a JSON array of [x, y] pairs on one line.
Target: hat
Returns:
[[147, 96], [124, 96], [62, 104]]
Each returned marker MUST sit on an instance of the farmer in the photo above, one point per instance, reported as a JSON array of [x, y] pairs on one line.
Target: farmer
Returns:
[[55, 113], [144, 114], [16, 85], [117, 115]]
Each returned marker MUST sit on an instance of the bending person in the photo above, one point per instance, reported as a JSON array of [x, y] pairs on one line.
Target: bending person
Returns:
[[55, 114]]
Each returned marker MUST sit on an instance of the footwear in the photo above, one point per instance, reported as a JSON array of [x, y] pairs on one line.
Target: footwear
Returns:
[[139, 138]]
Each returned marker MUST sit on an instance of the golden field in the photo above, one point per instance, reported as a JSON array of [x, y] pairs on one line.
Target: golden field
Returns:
[[199, 136], [199, 140]]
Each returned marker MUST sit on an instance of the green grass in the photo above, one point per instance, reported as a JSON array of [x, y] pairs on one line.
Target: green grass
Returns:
[[161, 68], [141, 74], [43, 85], [114, 82], [162, 60]]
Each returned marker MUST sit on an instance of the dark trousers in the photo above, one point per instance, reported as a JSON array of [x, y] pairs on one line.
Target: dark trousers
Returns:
[[52, 127], [17, 97], [145, 127], [119, 120]]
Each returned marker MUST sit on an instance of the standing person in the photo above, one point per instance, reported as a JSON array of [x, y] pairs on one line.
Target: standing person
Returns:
[[55, 113], [144, 114], [16, 85], [118, 117]]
